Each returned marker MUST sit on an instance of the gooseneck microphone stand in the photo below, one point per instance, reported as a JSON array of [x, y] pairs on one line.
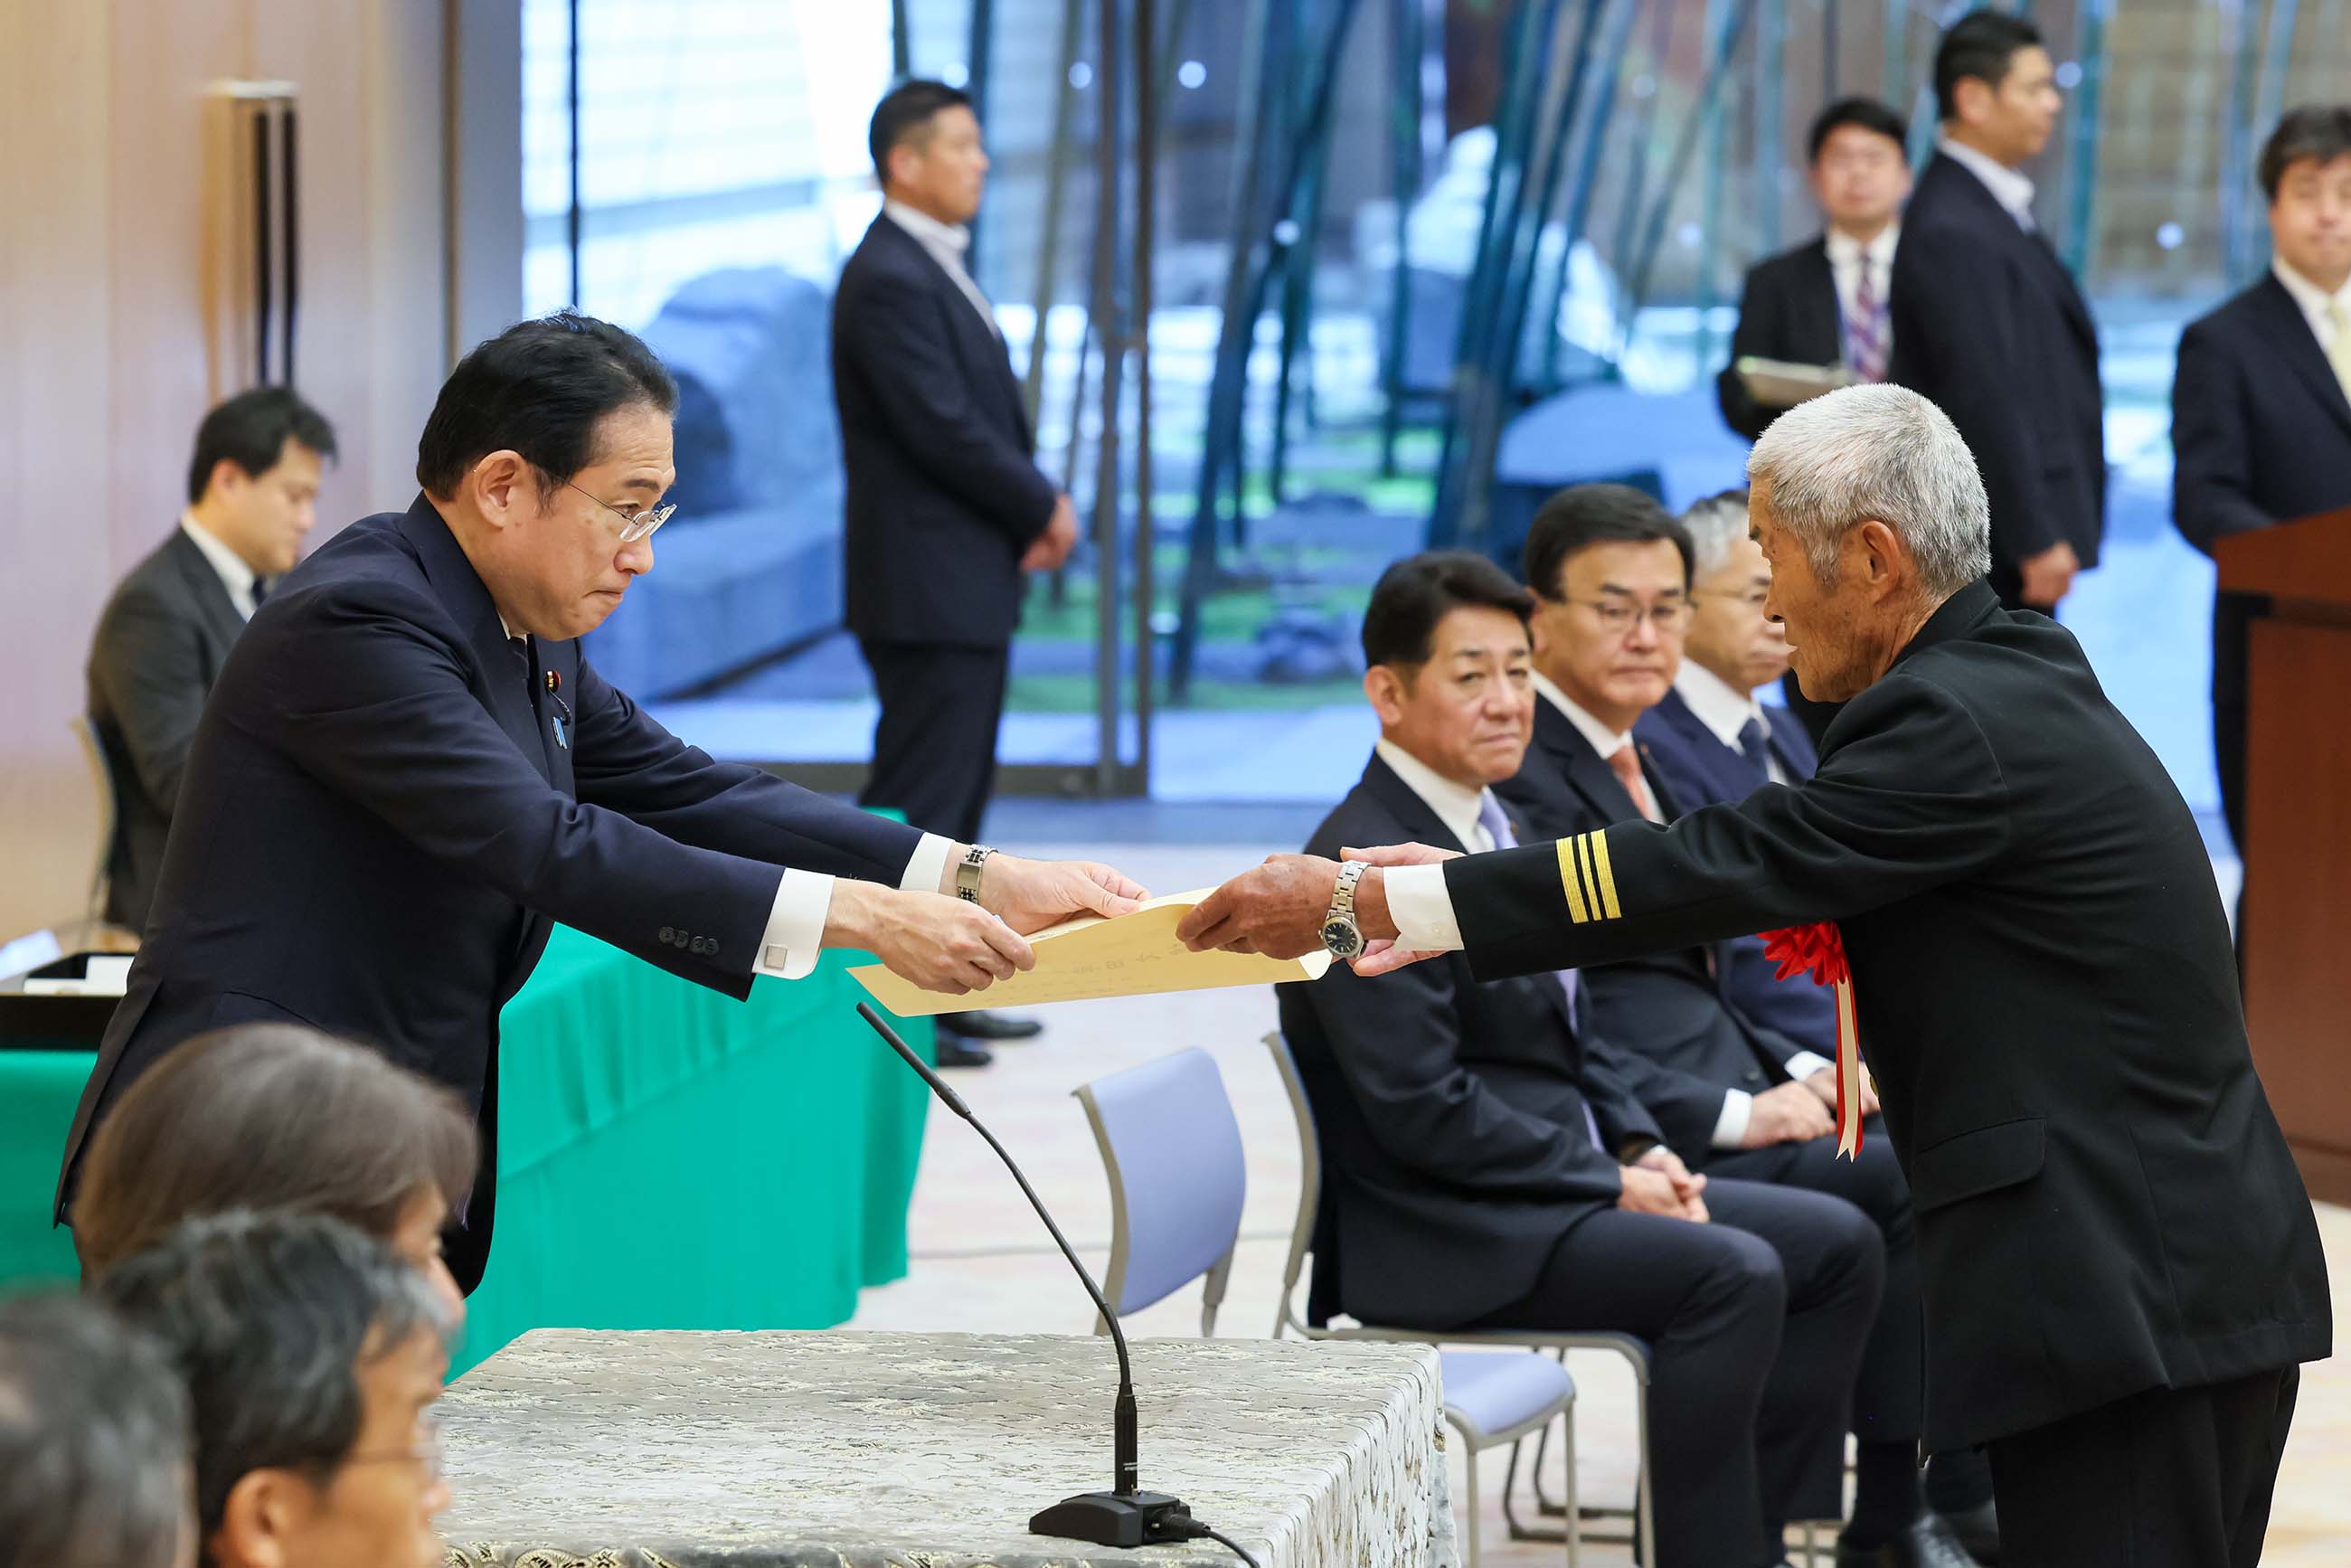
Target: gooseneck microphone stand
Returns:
[[1125, 1515]]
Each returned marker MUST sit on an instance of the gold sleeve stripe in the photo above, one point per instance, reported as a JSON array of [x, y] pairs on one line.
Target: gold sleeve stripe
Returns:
[[1603, 878], [1583, 864], [1569, 881]]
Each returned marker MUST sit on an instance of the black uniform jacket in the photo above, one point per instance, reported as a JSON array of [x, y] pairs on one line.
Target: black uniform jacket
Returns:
[[2046, 995]]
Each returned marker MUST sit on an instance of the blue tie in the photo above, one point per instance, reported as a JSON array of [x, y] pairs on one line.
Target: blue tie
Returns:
[[1755, 744], [1490, 817]]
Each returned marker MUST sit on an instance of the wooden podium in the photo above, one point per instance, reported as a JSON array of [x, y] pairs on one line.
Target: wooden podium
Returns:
[[2296, 912]]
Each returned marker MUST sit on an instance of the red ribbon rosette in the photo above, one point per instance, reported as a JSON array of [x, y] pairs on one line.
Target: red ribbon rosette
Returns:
[[1818, 950]]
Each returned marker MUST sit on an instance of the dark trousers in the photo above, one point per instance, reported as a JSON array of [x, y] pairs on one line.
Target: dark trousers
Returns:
[[2232, 618], [1755, 1324], [1890, 1396], [935, 748], [2166, 1479]]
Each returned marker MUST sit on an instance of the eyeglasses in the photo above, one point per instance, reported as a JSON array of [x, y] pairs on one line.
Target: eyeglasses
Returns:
[[1753, 598], [635, 527], [427, 1452], [1619, 616]]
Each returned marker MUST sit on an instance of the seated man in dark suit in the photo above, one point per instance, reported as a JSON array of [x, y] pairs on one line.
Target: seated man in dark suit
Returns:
[[253, 491], [1489, 1164], [1826, 302], [1987, 324], [1611, 574], [2260, 408]]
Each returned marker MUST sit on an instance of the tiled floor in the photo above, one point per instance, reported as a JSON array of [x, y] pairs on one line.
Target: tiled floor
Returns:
[[981, 1263]]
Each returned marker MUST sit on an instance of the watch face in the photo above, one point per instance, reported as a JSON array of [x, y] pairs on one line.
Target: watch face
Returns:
[[1342, 939]]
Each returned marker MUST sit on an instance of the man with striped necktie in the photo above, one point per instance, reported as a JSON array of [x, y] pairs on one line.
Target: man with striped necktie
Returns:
[[1828, 301]]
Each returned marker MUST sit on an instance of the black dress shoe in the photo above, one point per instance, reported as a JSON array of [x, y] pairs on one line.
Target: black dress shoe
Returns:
[[953, 1053], [1978, 1530], [977, 1025], [1925, 1543]]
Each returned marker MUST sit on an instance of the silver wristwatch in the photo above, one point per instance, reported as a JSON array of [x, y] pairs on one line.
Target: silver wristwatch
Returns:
[[967, 873], [1341, 935]]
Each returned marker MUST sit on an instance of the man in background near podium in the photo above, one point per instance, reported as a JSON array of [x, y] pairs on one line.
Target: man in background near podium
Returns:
[[1987, 324], [1827, 301], [947, 511], [2260, 407], [408, 773], [2120, 1269], [253, 492]]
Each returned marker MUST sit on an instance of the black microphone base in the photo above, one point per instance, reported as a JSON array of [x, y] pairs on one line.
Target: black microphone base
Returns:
[[1111, 1519]]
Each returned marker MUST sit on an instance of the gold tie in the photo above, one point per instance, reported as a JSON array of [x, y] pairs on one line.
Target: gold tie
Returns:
[[2338, 353]]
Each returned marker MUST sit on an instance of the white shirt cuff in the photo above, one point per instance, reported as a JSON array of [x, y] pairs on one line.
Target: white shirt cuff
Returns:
[[1737, 1109], [795, 925], [1804, 1063], [926, 865], [1422, 909]]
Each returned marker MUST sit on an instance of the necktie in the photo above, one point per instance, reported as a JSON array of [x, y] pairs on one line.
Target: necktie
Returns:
[[261, 584], [1626, 764], [1864, 330], [1755, 744], [2338, 353], [1497, 828]]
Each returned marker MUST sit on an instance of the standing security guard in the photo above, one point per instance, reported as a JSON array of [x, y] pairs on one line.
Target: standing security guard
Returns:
[[2121, 1269]]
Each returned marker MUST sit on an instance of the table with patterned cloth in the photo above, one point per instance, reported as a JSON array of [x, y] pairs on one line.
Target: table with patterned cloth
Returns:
[[573, 1449]]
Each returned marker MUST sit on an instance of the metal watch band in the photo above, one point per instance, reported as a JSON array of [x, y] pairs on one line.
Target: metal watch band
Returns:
[[1343, 895], [967, 873]]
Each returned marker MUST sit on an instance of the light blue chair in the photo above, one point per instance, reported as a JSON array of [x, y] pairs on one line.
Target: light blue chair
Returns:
[[1642, 1535], [1177, 1179]]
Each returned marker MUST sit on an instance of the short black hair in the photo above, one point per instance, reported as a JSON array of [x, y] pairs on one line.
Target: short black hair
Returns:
[[251, 430], [94, 1440], [1980, 45], [538, 388], [904, 114], [1865, 112], [266, 1318], [1416, 593], [2322, 131], [1582, 516]]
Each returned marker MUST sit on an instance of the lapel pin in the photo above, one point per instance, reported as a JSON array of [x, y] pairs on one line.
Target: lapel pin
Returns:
[[554, 680]]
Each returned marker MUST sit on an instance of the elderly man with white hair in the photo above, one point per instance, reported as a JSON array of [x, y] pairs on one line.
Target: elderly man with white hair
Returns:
[[2120, 1267]]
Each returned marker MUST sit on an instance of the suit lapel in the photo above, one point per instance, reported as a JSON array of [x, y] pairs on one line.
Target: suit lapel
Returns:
[[1823, 314], [2283, 324], [964, 321], [2032, 247], [1419, 822], [211, 594], [1585, 772], [503, 682]]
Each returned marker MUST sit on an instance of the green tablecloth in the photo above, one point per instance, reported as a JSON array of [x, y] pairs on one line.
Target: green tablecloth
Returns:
[[667, 1157]]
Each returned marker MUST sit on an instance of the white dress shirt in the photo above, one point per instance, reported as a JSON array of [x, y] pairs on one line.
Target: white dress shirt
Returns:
[[1458, 805], [2321, 310], [1846, 258], [235, 575], [1724, 710], [946, 243], [1423, 909], [2012, 190]]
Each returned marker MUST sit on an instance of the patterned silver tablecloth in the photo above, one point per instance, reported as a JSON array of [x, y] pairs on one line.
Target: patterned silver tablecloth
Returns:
[[579, 1449]]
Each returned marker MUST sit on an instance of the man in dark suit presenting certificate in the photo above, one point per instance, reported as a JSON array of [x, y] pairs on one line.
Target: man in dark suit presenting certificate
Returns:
[[2120, 1270], [408, 772]]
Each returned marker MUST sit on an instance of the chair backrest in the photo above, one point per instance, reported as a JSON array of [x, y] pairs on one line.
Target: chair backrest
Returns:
[[102, 780], [1310, 1187], [1178, 1177]]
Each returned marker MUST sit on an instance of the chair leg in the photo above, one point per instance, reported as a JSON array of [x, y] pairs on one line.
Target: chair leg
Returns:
[[1469, 1452], [1575, 1531], [1644, 1527]]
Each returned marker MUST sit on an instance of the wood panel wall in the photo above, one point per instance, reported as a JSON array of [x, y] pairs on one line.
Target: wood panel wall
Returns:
[[104, 365]]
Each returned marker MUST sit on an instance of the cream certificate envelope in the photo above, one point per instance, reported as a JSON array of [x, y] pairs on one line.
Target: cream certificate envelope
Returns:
[[1134, 955], [1775, 383]]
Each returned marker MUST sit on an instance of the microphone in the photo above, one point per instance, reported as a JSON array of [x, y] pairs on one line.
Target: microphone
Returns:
[[1125, 1515]]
